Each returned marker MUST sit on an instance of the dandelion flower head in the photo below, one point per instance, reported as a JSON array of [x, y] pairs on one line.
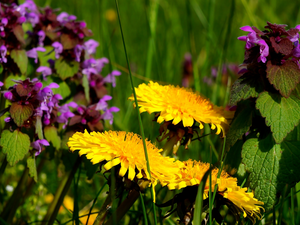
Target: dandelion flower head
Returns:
[[181, 105], [126, 150], [192, 173]]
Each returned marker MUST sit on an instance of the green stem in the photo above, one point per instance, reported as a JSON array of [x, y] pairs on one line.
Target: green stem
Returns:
[[103, 211], [144, 209], [292, 205], [209, 196], [14, 201], [60, 194], [3, 167], [168, 146], [138, 113]]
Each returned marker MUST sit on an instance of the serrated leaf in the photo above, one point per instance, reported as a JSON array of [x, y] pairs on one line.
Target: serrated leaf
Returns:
[[66, 68], [15, 145], [68, 41], [52, 136], [285, 46], [44, 57], [9, 80], [39, 127], [19, 33], [86, 86], [20, 113], [241, 122], [22, 90], [271, 166], [282, 114], [31, 164], [20, 58], [63, 89], [283, 77], [247, 86]]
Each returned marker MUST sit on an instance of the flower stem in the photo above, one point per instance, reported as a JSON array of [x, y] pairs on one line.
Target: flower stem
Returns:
[[168, 147], [60, 194], [103, 211]]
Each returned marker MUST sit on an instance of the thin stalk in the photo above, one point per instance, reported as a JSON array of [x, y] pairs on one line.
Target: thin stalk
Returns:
[[14, 201], [209, 196], [151, 44], [168, 146], [137, 109], [223, 52], [298, 201], [60, 194], [103, 211], [293, 205], [192, 48], [144, 209], [3, 167], [221, 168], [94, 202], [113, 194], [281, 205], [75, 207]]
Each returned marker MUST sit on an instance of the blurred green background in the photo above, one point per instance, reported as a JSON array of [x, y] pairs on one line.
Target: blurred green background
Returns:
[[206, 29]]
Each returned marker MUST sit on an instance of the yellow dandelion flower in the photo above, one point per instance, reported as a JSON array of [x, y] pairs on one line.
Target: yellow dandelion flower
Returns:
[[192, 173], [126, 150], [178, 104]]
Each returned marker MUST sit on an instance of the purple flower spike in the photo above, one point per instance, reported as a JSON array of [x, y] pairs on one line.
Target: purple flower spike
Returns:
[[77, 50], [110, 78], [38, 145], [107, 115], [46, 71], [3, 51], [42, 36], [33, 53], [90, 46], [58, 48], [8, 95], [102, 105], [264, 51]]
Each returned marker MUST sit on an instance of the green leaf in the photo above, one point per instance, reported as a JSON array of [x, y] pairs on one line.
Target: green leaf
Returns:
[[45, 56], [20, 58], [63, 90], [271, 166], [241, 122], [284, 77], [9, 80], [282, 114], [32, 167], [15, 145], [39, 127], [247, 86], [66, 68], [52, 136], [86, 86], [20, 113], [19, 33]]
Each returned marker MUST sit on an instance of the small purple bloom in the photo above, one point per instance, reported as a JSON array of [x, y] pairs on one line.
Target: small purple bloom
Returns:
[[58, 48], [3, 51], [251, 39], [8, 95], [46, 71], [77, 50], [4, 22], [33, 18], [264, 51], [7, 119], [66, 113], [38, 145], [65, 17], [110, 78], [33, 53], [107, 115], [90, 46], [42, 36], [89, 71], [1, 84], [102, 104]]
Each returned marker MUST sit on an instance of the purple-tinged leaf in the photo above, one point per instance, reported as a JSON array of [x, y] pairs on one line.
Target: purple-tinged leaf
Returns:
[[20, 113], [285, 46], [19, 33], [284, 77]]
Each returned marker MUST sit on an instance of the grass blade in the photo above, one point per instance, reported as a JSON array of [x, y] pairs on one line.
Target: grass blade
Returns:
[[137, 108]]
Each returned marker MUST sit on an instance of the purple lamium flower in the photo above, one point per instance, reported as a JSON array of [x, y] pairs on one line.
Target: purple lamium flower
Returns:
[[7, 119], [42, 36], [90, 46], [110, 78], [1, 84], [33, 18], [107, 115], [102, 104], [3, 23], [64, 17], [58, 48], [251, 39], [3, 51], [38, 145], [33, 53], [77, 50], [264, 51], [46, 71], [8, 95], [66, 113], [89, 71]]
